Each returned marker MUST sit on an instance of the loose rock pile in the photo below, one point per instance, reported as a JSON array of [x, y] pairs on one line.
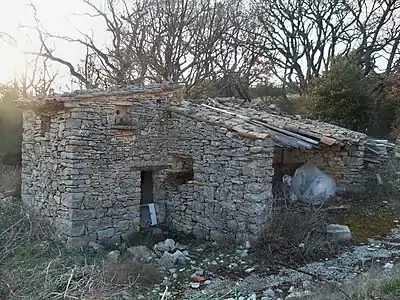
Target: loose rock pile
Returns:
[[191, 271], [170, 253]]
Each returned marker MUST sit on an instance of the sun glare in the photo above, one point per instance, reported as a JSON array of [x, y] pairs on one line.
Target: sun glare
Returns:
[[12, 63], [55, 15]]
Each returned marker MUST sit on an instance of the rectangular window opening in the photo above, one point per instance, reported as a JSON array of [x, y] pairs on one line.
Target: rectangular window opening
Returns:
[[44, 125], [146, 187], [181, 169]]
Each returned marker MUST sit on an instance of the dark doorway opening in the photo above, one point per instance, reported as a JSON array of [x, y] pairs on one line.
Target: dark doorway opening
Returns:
[[284, 163], [147, 209], [146, 187]]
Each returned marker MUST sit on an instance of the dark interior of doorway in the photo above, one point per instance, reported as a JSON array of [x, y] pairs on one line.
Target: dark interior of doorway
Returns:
[[146, 197]]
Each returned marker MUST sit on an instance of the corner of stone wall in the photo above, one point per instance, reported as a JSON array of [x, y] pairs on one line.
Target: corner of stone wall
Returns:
[[354, 174], [85, 178], [258, 199]]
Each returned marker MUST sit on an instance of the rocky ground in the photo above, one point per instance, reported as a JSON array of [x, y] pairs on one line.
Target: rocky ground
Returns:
[[177, 268], [234, 274], [191, 270], [207, 271]]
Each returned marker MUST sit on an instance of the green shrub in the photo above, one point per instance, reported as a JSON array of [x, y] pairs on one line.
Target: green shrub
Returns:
[[392, 102], [343, 95], [391, 286]]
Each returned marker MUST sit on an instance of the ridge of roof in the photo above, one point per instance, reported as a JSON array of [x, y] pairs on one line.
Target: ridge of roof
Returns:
[[165, 89]]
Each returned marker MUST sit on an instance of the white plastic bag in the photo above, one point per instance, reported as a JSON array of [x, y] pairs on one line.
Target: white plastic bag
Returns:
[[311, 185]]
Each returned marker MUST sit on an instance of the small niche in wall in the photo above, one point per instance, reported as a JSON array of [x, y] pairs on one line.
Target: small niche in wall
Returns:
[[121, 116], [180, 169], [45, 122]]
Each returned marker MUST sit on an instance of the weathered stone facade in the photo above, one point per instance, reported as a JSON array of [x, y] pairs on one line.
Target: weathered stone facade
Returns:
[[85, 157], [344, 164], [231, 191], [85, 172]]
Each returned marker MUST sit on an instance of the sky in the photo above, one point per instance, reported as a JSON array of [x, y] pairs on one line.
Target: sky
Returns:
[[62, 17]]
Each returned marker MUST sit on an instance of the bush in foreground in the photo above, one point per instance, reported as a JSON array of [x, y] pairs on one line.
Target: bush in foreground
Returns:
[[293, 237]]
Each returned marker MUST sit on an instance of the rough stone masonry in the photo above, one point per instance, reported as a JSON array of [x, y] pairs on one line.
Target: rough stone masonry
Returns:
[[84, 154]]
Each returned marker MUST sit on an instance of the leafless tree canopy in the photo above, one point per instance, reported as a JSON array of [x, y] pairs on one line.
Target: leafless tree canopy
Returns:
[[226, 46], [201, 43], [36, 78], [302, 36]]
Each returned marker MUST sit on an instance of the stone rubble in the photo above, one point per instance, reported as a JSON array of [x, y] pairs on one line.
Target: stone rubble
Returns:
[[168, 245], [113, 256], [341, 269], [299, 295], [194, 285]]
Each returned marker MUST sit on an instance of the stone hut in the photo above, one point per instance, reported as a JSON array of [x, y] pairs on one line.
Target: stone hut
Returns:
[[99, 164]]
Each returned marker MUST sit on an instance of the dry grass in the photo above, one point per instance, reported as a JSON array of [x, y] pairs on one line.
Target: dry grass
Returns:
[[10, 177], [34, 264], [129, 272], [294, 237]]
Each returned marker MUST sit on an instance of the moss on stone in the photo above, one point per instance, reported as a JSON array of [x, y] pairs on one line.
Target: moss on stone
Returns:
[[364, 227]]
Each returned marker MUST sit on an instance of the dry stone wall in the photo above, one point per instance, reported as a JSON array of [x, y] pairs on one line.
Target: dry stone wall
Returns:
[[41, 174], [344, 164], [81, 169], [95, 166], [231, 191]]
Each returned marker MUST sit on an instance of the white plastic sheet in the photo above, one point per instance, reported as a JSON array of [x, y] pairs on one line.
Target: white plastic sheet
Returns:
[[310, 185]]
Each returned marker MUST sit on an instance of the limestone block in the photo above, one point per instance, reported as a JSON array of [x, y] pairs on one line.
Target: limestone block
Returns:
[[70, 228], [107, 233], [72, 200], [124, 225], [339, 232], [81, 215], [256, 187]]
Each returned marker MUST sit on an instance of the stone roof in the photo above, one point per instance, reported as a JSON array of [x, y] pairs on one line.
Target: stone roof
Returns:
[[285, 130], [59, 101]]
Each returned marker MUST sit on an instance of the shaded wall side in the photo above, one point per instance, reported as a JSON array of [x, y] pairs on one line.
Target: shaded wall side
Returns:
[[103, 189], [344, 164], [231, 191], [42, 177]]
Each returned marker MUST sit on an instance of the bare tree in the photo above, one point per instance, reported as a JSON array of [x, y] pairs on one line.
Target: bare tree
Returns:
[[177, 39], [48, 53], [194, 42], [377, 28], [302, 37], [238, 61], [150, 39], [36, 78]]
